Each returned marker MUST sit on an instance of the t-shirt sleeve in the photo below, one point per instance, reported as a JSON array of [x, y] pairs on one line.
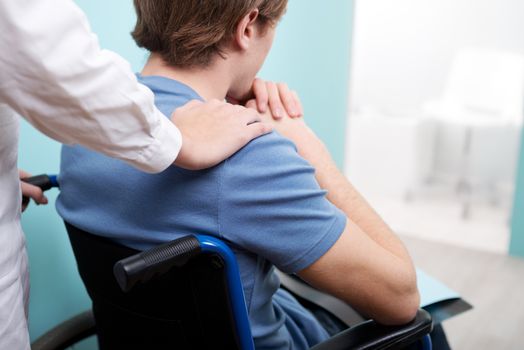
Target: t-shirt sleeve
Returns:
[[271, 204]]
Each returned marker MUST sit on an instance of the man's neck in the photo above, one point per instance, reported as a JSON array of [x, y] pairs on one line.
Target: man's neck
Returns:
[[210, 82]]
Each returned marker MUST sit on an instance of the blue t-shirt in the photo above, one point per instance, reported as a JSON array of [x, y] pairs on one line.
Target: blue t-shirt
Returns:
[[263, 201]]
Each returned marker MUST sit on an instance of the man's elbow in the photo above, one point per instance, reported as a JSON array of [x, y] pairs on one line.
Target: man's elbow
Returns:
[[408, 309], [403, 307]]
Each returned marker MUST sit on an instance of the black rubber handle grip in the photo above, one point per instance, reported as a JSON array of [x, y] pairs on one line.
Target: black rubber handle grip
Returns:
[[143, 266], [45, 182]]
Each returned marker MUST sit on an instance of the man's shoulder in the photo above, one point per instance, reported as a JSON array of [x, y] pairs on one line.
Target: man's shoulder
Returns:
[[170, 94], [272, 147], [270, 161]]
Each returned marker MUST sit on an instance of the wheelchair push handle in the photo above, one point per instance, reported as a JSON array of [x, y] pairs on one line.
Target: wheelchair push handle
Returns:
[[45, 182], [145, 265]]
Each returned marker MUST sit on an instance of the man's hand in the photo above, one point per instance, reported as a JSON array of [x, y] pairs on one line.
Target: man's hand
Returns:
[[278, 97], [30, 191], [281, 100], [213, 131], [294, 129]]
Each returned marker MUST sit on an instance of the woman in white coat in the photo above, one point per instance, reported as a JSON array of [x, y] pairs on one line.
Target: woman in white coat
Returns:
[[51, 68]]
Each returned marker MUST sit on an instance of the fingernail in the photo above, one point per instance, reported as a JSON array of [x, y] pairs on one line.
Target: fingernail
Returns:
[[278, 113]]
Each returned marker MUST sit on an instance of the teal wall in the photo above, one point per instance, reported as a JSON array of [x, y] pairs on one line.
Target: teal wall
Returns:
[[517, 222], [310, 53]]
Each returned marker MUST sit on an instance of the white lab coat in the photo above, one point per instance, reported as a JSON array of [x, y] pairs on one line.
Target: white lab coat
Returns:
[[53, 73], [14, 277]]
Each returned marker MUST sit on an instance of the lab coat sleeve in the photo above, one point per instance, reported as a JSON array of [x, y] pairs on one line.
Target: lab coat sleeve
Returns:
[[54, 74]]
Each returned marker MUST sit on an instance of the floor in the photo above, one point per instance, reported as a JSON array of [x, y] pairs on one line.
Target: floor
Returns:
[[493, 283]]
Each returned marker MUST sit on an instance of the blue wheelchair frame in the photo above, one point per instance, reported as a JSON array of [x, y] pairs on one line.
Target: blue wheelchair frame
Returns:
[[238, 306]]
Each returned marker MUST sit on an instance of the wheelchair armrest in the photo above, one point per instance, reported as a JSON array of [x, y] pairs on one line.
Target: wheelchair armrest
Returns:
[[67, 333], [371, 335]]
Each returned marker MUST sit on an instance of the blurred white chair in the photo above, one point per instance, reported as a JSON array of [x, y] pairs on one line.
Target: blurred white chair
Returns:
[[389, 156], [484, 95]]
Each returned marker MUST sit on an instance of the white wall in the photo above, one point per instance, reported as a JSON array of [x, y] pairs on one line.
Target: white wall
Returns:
[[409, 167], [403, 49]]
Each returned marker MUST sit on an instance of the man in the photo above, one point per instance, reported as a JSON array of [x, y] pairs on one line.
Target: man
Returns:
[[52, 68], [266, 200]]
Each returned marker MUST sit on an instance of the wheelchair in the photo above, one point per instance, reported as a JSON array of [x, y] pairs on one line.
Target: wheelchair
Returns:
[[184, 294]]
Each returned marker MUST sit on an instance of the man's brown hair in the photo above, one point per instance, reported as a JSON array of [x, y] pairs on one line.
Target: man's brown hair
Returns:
[[190, 32]]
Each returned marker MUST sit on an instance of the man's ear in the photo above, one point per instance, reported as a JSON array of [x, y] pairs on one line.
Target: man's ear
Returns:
[[246, 29]]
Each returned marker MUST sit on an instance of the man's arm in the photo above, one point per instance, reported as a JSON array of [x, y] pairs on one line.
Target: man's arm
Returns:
[[368, 266], [381, 278], [368, 276]]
